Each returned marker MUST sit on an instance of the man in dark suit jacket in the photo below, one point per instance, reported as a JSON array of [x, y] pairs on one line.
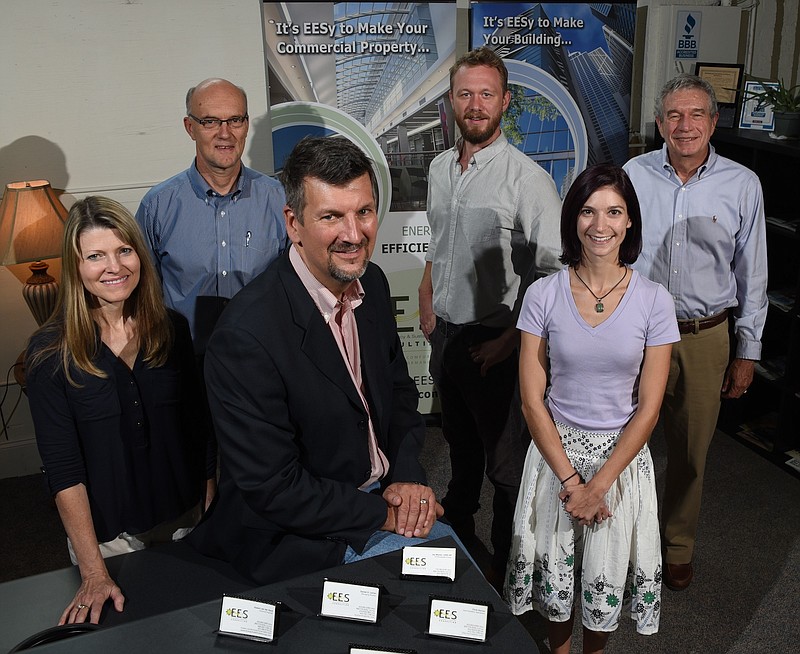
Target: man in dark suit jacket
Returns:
[[315, 412]]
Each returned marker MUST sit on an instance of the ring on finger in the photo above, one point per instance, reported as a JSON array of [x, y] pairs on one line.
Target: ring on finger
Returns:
[[423, 501], [80, 607]]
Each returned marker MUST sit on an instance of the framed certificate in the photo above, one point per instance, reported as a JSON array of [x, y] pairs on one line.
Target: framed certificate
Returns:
[[725, 80], [756, 114]]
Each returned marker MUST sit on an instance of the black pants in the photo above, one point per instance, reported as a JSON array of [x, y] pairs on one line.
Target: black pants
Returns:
[[482, 423]]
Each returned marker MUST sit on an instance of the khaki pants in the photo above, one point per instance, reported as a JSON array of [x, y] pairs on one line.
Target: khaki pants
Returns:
[[690, 412]]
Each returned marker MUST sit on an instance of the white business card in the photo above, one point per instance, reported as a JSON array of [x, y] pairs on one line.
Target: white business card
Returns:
[[350, 601], [377, 649], [429, 562], [458, 618], [248, 618]]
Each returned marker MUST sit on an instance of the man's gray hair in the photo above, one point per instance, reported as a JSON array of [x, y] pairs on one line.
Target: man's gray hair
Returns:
[[685, 81]]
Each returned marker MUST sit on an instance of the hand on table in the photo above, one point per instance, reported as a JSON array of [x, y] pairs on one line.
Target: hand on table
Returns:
[[90, 598], [413, 509]]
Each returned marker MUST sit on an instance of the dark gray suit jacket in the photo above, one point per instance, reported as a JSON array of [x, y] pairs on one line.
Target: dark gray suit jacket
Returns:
[[292, 429]]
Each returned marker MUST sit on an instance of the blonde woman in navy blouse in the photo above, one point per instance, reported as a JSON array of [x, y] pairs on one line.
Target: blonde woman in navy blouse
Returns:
[[116, 404]]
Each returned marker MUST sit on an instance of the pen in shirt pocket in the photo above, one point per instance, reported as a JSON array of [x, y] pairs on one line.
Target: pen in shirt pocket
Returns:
[[247, 238]]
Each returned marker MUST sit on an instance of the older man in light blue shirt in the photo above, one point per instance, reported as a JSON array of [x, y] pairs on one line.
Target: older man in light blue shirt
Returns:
[[215, 226], [704, 239]]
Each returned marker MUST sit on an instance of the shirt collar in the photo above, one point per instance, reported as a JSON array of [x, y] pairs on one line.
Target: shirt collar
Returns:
[[666, 166], [484, 155], [326, 302], [204, 191]]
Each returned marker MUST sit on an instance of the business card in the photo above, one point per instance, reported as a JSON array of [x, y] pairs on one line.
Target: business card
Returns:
[[455, 618], [245, 618], [377, 649], [349, 601], [439, 562]]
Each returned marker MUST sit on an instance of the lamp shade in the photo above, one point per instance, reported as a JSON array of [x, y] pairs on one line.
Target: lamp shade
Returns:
[[31, 223], [31, 229]]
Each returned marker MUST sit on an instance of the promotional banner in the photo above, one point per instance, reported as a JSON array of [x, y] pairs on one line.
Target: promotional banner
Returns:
[[375, 73], [570, 67]]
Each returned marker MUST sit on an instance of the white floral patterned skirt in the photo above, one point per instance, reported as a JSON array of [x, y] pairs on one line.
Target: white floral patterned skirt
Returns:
[[618, 561]]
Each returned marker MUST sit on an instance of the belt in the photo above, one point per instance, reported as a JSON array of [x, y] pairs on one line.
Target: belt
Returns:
[[450, 329], [696, 325], [447, 328]]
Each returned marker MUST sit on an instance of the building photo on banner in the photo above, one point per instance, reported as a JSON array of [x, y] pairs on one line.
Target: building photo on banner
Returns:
[[570, 67], [376, 73]]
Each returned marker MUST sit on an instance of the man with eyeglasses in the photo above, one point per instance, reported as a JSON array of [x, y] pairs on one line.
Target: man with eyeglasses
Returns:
[[215, 226]]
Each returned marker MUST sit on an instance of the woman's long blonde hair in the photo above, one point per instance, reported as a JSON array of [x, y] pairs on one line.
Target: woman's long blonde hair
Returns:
[[76, 331]]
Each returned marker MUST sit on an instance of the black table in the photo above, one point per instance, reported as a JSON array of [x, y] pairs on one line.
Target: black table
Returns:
[[173, 598]]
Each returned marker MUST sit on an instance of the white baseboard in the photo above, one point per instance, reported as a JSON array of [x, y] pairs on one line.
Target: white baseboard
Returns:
[[19, 458]]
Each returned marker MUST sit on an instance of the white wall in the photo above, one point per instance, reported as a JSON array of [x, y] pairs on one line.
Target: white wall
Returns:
[[774, 47], [93, 100], [771, 50]]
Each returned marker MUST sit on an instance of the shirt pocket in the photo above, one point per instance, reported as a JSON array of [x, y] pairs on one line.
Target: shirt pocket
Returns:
[[165, 385], [488, 225], [96, 400], [257, 255], [712, 239]]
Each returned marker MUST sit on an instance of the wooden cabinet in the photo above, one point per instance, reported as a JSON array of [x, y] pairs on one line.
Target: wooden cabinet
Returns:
[[771, 409]]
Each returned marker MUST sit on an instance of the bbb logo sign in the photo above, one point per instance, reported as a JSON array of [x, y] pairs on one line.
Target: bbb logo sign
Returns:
[[687, 34]]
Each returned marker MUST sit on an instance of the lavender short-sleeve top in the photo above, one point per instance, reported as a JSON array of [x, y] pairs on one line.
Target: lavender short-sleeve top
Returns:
[[595, 370]]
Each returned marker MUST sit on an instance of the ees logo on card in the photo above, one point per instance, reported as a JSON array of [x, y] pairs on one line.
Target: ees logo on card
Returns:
[[416, 561], [233, 612], [339, 597], [446, 614]]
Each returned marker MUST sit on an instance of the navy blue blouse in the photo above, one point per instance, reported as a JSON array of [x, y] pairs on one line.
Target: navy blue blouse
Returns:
[[137, 440]]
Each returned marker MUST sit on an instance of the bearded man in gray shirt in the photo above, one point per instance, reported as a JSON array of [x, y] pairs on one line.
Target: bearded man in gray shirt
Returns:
[[494, 217]]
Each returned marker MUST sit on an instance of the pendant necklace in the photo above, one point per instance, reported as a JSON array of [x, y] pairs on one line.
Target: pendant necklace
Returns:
[[599, 308]]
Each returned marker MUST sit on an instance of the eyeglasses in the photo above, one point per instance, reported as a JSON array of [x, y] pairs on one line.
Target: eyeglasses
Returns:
[[234, 122]]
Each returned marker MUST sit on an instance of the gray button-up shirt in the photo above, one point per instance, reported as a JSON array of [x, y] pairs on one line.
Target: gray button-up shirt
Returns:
[[494, 229]]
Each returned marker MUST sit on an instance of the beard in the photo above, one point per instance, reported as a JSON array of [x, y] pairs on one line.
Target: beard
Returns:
[[341, 274], [474, 134]]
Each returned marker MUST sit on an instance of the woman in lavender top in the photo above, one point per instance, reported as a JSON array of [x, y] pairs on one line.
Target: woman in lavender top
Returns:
[[596, 342]]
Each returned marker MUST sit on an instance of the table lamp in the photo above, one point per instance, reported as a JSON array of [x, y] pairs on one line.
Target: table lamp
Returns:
[[31, 229]]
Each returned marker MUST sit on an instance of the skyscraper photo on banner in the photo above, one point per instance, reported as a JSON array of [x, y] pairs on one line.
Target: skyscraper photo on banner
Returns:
[[570, 67], [378, 74]]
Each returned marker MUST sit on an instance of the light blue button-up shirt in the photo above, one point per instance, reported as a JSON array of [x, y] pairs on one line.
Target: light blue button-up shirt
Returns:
[[705, 240], [207, 246]]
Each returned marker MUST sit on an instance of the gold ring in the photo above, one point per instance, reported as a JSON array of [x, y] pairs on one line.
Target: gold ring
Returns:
[[82, 606], [423, 501]]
